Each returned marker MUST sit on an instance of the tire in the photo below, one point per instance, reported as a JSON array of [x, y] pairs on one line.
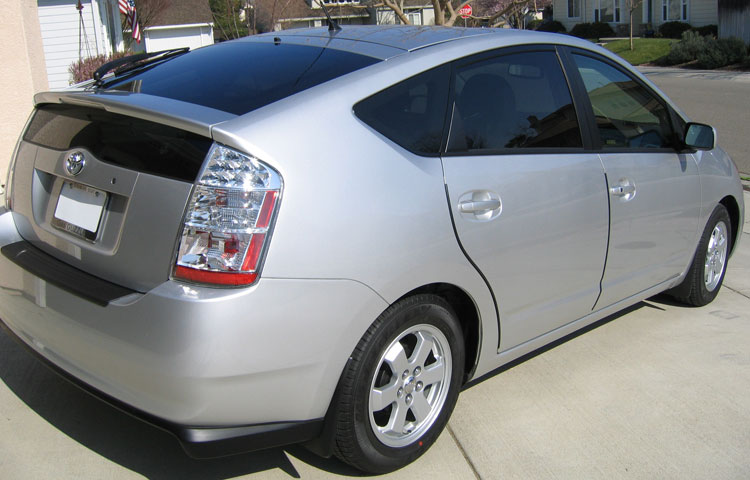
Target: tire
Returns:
[[706, 274], [399, 386]]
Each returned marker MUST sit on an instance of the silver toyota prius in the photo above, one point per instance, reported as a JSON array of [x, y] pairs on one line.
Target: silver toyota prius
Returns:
[[320, 236]]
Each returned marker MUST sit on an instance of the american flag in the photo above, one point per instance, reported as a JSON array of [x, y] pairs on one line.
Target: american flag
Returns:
[[127, 8]]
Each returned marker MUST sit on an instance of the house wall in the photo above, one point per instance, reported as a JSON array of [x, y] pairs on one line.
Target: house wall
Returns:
[[735, 23], [700, 12], [703, 13], [22, 74], [66, 38], [386, 16], [177, 36]]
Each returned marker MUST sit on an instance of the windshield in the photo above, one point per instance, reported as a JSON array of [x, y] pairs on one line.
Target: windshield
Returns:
[[239, 77]]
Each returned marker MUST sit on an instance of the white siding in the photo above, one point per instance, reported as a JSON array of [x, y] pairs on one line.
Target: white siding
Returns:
[[703, 12], [63, 36], [560, 9], [700, 12], [177, 36]]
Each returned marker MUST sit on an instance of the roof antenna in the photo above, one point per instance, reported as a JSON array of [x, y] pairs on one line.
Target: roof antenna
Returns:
[[333, 25]]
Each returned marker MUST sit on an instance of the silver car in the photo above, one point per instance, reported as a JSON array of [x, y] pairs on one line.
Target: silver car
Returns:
[[320, 236]]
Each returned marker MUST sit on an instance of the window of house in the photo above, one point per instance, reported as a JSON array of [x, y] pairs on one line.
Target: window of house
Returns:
[[674, 10], [607, 11], [415, 18], [511, 102], [627, 115], [574, 8]]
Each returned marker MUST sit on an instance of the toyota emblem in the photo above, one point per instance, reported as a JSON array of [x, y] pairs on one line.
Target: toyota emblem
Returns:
[[74, 163]]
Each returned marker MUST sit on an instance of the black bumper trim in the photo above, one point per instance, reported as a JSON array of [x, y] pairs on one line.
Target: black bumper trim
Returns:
[[62, 275], [198, 441]]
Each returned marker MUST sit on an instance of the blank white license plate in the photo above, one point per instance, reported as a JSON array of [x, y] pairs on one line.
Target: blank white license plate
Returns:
[[79, 207]]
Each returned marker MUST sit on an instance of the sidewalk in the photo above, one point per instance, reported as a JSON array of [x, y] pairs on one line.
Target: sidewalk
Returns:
[[690, 73]]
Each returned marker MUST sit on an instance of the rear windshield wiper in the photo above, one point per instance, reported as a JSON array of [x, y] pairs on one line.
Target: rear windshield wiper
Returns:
[[132, 62]]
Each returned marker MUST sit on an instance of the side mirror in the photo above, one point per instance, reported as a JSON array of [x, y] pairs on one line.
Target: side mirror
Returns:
[[700, 136]]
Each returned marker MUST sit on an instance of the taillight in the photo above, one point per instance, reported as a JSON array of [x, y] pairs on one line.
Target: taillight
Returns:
[[227, 224]]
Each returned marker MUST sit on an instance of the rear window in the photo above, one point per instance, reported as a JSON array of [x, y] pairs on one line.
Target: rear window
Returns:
[[125, 141], [239, 77]]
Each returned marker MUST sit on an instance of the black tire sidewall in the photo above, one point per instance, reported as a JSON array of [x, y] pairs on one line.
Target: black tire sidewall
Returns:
[[701, 295], [433, 312]]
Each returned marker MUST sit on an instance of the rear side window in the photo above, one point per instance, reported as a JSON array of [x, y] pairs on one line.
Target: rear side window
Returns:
[[239, 77], [412, 112], [514, 101], [125, 141]]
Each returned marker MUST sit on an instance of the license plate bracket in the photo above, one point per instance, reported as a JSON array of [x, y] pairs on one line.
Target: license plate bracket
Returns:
[[79, 210]]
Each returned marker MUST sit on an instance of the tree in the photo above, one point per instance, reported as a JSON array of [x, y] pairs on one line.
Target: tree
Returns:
[[228, 17], [631, 5], [446, 11], [240, 18], [492, 12], [268, 13], [512, 12], [150, 10]]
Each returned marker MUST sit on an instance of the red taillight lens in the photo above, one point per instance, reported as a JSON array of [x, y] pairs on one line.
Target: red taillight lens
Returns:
[[226, 226]]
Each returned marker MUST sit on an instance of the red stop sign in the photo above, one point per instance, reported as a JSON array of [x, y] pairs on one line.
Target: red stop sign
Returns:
[[465, 11]]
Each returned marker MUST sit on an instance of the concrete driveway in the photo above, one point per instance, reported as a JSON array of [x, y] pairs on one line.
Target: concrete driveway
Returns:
[[719, 98], [658, 391]]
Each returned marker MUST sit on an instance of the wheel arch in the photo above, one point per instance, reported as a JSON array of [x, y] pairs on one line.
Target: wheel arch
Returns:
[[469, 318], [733, 208], [467, 313]]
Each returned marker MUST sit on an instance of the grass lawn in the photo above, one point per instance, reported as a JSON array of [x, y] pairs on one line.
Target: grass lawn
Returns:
[[646, 50]]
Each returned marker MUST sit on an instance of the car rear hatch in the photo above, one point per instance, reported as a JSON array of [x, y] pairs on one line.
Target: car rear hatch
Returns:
[[102, 177], [101, 181]]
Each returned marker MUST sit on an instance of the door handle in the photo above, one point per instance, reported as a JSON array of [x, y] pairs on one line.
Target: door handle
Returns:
[[622, 190], [478, 206]]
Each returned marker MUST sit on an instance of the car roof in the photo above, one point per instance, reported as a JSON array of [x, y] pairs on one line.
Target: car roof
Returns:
[[387, 41], [402, 37]]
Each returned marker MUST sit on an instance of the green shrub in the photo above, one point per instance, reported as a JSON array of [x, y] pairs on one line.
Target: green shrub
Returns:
[[673, 29], [592, 30], [722, 52], [708, 51], [82, 70], [554, 26], [533, 24], [707, 30], [687, 49]]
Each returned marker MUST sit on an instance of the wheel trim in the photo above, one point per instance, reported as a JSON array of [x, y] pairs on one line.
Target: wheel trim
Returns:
[[716, 257], [417, 384]]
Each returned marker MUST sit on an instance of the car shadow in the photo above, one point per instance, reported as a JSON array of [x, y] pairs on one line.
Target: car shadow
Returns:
[[156, 454], [125, 440], [646, 303]]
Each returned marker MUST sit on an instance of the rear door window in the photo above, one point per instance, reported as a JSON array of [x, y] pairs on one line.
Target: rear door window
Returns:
[[513, 101]]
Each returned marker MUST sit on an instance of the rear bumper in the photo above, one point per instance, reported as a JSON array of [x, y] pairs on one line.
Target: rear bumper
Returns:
[[224, 370], [199, 442]]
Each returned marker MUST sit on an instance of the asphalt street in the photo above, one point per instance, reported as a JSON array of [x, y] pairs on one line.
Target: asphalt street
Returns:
[[720, 99], [657, 391]]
